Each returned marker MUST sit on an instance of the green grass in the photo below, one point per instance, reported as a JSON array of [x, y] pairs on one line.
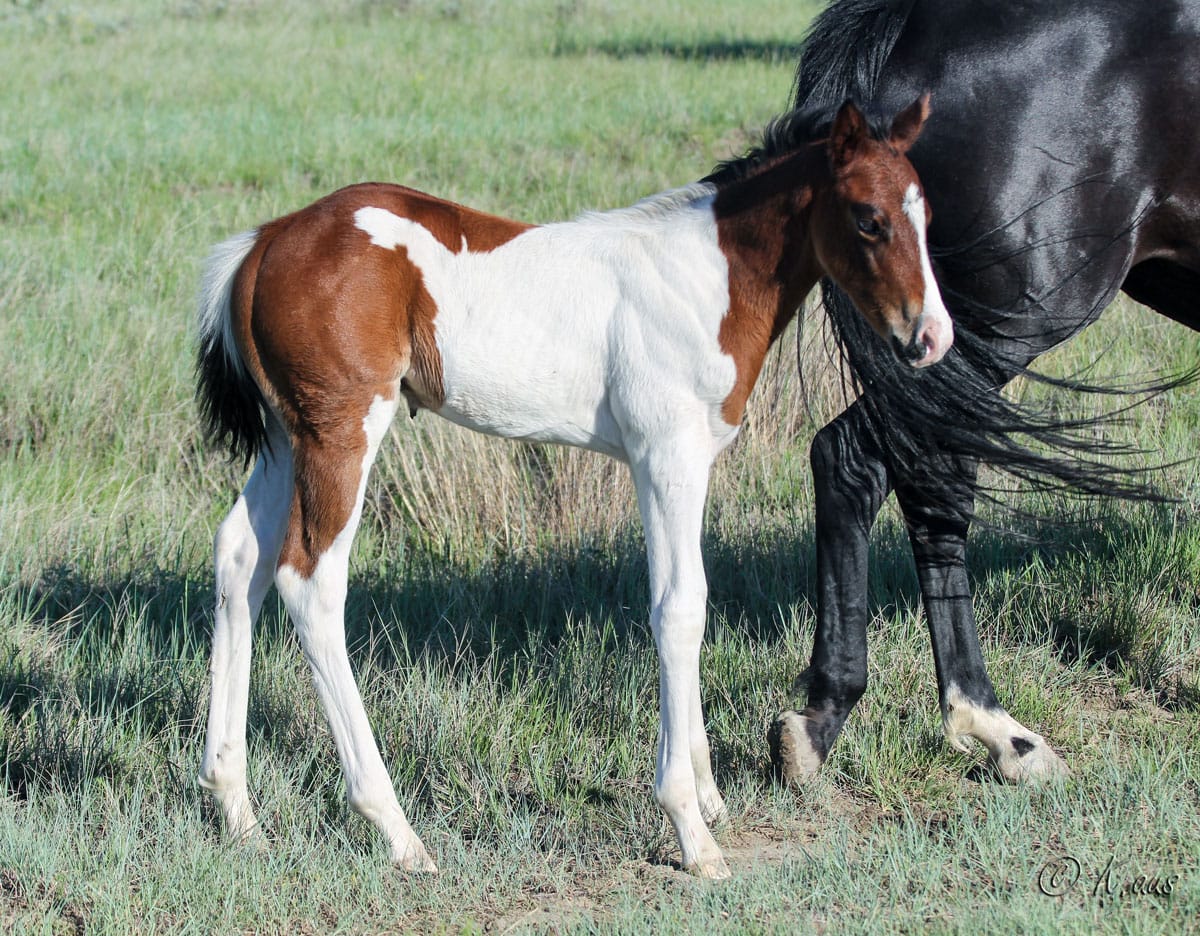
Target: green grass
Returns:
[[501, 643]]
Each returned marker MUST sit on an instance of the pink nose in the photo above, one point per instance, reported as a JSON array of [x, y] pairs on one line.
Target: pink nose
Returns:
[[935, 334]]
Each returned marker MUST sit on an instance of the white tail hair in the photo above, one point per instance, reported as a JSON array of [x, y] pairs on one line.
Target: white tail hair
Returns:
[[216, 289]]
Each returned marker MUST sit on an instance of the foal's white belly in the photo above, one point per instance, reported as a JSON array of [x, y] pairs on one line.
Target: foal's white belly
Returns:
[[524, 348], [585, 333]]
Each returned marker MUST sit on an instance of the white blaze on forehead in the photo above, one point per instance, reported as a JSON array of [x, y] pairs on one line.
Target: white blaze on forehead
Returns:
[[914, 208]]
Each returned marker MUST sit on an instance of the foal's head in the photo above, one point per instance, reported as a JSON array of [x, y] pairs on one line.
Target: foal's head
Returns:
[[869, 233]]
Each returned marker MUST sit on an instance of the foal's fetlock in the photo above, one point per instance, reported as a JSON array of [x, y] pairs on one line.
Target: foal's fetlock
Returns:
[[794, 758]]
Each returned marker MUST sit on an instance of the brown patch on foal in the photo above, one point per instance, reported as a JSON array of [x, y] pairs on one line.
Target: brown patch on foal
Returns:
[[808, 206], [327, 322], [759, 308]]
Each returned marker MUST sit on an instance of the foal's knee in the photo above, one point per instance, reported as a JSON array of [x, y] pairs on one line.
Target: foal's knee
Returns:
[[684, 608], [678, 621]]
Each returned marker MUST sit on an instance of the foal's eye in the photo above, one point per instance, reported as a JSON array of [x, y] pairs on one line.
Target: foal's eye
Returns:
[[869, 227]]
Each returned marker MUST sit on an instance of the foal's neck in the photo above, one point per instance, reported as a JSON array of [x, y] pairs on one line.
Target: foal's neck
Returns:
[[763, 230]]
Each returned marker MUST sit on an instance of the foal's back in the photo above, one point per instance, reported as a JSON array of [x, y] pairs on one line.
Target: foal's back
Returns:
[[584, 332]]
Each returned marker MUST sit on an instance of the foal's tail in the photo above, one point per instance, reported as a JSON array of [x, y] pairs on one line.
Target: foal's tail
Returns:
[[232, 405]]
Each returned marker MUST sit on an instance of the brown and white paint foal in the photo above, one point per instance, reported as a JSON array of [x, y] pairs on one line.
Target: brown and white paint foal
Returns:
[[638, 333]]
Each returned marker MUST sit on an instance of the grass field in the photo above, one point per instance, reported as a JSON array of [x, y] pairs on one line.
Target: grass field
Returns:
[[497, 615]]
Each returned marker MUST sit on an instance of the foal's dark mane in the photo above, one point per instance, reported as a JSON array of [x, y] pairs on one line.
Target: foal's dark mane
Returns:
[[952, 411], [788, 133]]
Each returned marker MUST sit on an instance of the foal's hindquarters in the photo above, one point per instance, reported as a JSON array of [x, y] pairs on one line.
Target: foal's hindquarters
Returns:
[[579, 354]]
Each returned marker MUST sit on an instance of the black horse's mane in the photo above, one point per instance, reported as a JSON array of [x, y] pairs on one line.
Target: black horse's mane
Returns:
[[953, 412], [788, 133]]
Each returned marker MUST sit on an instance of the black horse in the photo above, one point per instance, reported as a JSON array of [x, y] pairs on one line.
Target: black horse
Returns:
[[1062, 163]]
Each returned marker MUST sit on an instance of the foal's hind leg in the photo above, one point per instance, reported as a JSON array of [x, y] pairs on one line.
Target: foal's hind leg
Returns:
[[671, 492], [245, 549], [331, 475], [969, 705]]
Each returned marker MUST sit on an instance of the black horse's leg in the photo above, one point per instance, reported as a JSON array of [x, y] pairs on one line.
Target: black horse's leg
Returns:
[[968, 701], [851, 481], [851, 484]]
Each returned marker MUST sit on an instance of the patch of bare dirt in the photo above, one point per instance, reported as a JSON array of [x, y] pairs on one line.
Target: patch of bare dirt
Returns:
[[589, 900]]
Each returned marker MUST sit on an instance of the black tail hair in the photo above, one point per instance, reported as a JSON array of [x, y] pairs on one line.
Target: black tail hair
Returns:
[[845, 50], [954, 411], [232, 406]]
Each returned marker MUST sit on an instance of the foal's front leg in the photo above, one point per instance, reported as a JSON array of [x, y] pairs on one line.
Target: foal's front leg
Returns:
[[671, 493]]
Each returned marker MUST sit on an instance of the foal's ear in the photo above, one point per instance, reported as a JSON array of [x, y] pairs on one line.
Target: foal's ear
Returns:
[[906, 126], [847, 136]]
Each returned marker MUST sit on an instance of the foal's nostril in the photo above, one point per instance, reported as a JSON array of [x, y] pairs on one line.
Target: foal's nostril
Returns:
[[911, 352]]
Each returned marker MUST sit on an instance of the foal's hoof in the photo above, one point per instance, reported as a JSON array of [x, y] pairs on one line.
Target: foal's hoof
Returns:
[[714, 869], [794, 758], [1028, 760], [415, 860], [253, 838]]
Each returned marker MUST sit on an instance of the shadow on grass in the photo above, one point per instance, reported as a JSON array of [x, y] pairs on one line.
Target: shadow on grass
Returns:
[[87, 652], [1112, 590], [509, 603], [82, 655], [713, 50], [90, 653]]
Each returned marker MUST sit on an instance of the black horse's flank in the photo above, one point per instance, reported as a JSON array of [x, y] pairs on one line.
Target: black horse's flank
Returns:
[[1062, 163]]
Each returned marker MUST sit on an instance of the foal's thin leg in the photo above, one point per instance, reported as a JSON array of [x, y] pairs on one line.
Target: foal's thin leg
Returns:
[[712, 804], [969, 705], [851, 484], [671, 494], [246, 546], [312, 579]]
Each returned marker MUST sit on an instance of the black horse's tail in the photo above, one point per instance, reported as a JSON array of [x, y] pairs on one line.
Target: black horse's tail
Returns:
[[232, 405], [952, 411]]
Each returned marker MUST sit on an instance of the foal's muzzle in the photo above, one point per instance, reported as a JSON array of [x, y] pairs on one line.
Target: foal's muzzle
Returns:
[[928, 343]]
